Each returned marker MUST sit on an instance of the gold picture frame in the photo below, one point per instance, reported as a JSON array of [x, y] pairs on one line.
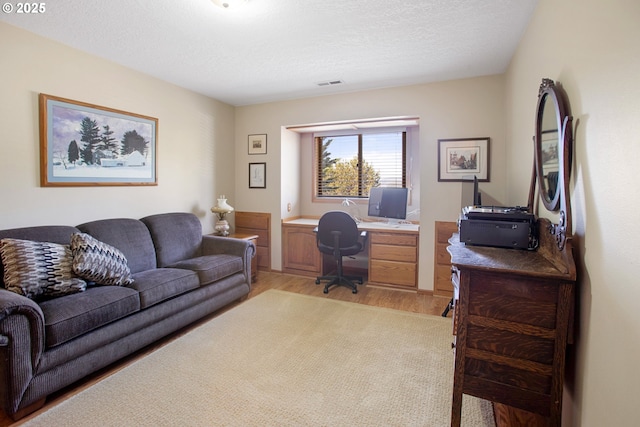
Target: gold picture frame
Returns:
[[83, 144]]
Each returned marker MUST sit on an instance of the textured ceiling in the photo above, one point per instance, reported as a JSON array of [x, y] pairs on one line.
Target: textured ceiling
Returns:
[[270, 50]]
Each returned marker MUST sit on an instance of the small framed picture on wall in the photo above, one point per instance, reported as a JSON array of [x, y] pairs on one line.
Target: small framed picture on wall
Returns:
[[462, 157], [258, 144], [257, 175]]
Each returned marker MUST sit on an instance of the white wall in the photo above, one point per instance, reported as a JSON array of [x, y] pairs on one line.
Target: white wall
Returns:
[[195, 137], [592, 49], [455, 109], [291, 183]]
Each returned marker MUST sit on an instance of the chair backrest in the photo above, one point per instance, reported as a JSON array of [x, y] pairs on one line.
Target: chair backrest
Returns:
[[338, 221]]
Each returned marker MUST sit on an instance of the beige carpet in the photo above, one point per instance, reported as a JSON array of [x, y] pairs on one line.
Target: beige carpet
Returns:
[[283, 359]]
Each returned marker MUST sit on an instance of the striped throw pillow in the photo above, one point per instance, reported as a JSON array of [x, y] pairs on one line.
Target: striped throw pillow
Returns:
[[38, 269], [98, 262]]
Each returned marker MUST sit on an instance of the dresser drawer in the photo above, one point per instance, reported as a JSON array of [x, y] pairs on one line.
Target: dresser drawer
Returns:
[[257, 223], [252, 220], [262, 254]]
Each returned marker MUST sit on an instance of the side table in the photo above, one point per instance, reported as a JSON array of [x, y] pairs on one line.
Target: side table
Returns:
[[254, 261]]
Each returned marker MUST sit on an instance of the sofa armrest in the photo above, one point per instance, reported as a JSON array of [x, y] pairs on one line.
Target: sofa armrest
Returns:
[[214, 245], [22, 345]]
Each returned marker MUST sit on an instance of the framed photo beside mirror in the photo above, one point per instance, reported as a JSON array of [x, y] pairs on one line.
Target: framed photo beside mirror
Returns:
[[458, 158]]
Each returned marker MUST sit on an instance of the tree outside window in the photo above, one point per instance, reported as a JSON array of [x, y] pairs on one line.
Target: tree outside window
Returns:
[[350, 165]]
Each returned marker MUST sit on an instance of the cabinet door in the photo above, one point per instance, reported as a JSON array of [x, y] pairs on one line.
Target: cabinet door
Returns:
[[299, 252]]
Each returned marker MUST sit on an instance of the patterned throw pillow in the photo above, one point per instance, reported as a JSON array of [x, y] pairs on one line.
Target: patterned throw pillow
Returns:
[[37, 269], [99, 262]]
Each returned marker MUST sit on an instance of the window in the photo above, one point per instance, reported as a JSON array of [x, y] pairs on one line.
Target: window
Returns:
[[349, 165]]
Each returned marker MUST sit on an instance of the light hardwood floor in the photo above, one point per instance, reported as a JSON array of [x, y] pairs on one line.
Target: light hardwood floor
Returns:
[[380, 297], [370, 295]]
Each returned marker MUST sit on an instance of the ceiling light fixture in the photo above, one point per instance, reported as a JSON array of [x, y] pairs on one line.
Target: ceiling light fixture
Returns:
[[228, 4]]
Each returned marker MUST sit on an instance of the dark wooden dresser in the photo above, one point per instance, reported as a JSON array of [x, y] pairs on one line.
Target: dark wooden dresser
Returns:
[[513, 318]]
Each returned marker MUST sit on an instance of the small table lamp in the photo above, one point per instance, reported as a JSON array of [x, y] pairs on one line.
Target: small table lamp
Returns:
[[221, 209]]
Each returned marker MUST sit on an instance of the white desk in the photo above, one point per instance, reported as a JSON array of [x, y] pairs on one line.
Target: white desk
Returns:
[[364, 225]]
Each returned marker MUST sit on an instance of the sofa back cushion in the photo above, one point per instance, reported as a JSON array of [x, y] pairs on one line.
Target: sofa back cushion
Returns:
[[177, 236], [128, 235], [60, 234]]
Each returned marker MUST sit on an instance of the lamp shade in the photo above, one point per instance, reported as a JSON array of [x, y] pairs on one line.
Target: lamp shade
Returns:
[[222, 206]]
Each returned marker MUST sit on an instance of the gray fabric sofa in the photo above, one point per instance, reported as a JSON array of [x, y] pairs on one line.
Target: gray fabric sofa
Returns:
[[178, 274]]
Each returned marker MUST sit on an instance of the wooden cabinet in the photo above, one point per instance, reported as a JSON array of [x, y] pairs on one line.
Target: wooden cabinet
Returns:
[[442, 259], [257, 223], [514, 312], [392, 253], [393, 259], [299, 252], [254, 261]]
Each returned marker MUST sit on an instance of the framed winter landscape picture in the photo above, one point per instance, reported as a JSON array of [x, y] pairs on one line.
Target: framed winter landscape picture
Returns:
[[83, 144]]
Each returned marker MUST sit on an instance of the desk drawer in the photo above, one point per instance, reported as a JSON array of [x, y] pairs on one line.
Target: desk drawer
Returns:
[[394, 239], [393, 253], [392, 272]]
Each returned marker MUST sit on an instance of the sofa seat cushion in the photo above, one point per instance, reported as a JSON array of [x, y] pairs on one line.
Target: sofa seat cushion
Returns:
[[159, 284], [73, 315], [211, 268]]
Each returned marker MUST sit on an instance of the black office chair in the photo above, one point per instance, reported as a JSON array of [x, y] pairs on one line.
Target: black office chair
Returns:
[[337, 234]]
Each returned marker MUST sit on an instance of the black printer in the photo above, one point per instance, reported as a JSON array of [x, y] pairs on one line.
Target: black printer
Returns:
[[499, 226]]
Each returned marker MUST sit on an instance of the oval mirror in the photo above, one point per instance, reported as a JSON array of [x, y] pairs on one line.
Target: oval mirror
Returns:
[[551, 144]]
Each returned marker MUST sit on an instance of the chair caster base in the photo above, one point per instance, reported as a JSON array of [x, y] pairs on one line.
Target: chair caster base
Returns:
[[346, 281]]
